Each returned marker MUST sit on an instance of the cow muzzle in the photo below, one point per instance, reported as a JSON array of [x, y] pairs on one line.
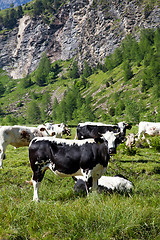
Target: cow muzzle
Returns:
[[112, 151]]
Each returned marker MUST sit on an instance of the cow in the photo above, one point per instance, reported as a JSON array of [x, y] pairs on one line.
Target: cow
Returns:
[[92, 129], [88, 158], [149, 128], [18, 136], [57, 129], [108, 184], [130, 140]]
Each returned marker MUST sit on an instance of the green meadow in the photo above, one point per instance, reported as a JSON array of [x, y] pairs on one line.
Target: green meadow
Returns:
[[62, 214]]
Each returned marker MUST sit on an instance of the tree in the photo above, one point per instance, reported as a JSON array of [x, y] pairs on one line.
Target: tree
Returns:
[[157, 40], [87, 70], [128, 74], [146, 41], [2, 89], [33, 113], [42, 70], [38, 7], [54, 109], [26, 82], [19, 12], [45, 106], [132, 110], [74, 72]]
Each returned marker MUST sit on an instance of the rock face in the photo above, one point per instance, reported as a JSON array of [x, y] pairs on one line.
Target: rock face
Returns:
[[81, 29]]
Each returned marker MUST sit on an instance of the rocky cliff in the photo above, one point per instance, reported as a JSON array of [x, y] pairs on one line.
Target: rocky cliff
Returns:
[[81, 29]]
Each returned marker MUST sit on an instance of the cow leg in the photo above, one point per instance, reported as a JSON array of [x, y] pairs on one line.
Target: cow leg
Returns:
[[36, 190], [38, 174], [2, 155], [94, 184], [97, 172]]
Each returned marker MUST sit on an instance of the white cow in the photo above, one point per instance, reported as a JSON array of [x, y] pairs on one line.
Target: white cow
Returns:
[[149, 128], [107, 183], [57, 129], [18, 136], [117, 183]]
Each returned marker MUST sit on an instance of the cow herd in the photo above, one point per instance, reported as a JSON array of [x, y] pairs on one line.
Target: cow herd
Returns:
[[84, 158]]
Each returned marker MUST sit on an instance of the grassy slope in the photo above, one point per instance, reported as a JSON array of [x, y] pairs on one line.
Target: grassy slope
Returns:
[[61, 214], [103, 97]]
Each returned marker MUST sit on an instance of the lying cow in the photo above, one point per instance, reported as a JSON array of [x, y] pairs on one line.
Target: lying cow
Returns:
[[106, 183], [150, 128], [88, 158], [18, 136], [58, 130]]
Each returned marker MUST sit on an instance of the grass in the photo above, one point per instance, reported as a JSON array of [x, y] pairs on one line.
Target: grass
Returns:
[[62, 214]]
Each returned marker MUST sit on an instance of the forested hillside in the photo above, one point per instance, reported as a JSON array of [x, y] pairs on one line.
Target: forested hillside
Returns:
[[125, 87], [62, 68]]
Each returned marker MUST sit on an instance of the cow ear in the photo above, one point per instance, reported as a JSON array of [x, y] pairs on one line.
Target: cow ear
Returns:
[[98, 140], [74, 178], [42, 129]]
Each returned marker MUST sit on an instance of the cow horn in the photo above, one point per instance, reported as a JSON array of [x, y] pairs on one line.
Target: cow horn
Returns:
[[116, 134]]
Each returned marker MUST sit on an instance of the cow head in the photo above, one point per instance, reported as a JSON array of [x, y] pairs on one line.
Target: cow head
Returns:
[[113, 140], [47, 129], [67, 131], [122, 127]]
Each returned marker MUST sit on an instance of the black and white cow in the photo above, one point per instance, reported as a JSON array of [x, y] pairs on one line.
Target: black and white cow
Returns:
[[115, 134], [88, 158], [94, 129]]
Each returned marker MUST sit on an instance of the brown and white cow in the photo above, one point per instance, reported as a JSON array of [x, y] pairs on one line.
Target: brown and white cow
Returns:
[[150, 128], [18, 136], [57, 129]]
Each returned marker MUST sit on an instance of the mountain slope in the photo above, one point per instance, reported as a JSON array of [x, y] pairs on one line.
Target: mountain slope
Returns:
[[84, 29]]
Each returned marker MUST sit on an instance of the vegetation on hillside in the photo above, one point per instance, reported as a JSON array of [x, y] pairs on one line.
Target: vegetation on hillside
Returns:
[[45, 8], [125, 87]]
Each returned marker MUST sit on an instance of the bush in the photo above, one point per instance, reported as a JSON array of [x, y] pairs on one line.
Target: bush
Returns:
[[155, 143]]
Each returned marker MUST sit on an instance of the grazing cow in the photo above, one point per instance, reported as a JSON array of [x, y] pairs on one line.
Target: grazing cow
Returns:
[[149, 128], [130, 140], [93, 129], [88, 158], [57, 129], [18, 136], [106, 183]]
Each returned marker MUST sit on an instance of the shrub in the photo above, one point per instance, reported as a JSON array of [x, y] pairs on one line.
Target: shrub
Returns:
[[155, 143]]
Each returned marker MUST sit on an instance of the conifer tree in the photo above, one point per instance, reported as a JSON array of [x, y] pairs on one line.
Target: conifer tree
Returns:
[[33, 113], [87, 70]]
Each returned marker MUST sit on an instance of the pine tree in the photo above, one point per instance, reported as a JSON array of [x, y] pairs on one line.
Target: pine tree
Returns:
[[43, 70], [74, 72], [54, 109], [128, 73], [87, 70], [33, 113], [45, 106]]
